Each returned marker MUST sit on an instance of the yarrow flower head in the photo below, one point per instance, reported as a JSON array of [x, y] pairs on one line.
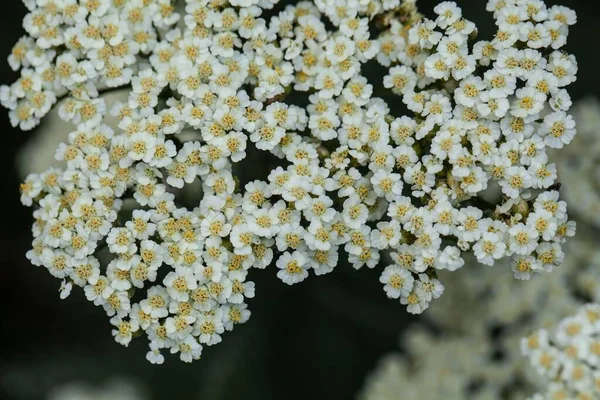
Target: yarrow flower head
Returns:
[[408, 173]]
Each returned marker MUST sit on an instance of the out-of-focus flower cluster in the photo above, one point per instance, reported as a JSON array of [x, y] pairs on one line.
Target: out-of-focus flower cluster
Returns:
[[115, 389], [357, 175], [583, 194], [568, 357]]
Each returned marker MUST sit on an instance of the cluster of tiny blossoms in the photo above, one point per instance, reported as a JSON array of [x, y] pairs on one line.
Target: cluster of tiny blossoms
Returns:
[[568, 357], [583, 172], [355, 177]]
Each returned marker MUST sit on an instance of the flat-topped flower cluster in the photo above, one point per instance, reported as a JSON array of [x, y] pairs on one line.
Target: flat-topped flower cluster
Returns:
[[361, 174]]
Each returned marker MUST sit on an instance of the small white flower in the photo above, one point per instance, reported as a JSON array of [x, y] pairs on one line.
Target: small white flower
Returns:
[[398, 281], [450, 259], [355, 213], [189, 349], [524, 267], [154, 356], [292, 268], [523, 239], [558, 129], [528, 102], [416, 302], [124, 330], [429, 288], [65, 289], [489, 248], [120, 240], [180, 282]]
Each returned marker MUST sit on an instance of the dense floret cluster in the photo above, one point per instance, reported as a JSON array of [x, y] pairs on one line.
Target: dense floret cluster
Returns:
[[583, 173], [408, 163]]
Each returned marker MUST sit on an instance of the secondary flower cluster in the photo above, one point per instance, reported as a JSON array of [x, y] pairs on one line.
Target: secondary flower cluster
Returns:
[[568, 357], [115, 389], [357, 176], [583, 194]]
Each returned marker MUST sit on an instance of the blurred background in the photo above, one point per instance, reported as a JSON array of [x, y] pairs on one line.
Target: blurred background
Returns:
[[319, 339]]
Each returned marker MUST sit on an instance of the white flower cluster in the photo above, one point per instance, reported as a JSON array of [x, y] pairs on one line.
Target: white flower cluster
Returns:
[[583, 173], [356, 178], [451, 368], [113, 389], [568, 356], [76, 48]]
